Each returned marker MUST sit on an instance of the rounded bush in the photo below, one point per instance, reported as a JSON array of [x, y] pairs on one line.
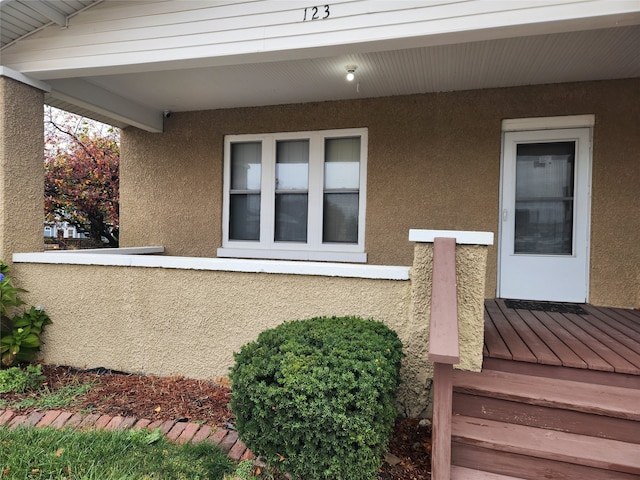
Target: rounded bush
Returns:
[[317, 397]]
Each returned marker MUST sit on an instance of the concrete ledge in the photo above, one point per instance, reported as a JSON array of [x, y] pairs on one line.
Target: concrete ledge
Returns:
[[376, 272], [116, 251], [462, 237]]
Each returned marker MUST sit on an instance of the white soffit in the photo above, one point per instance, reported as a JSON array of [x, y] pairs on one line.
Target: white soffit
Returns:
[[21, 18], [556, 58]]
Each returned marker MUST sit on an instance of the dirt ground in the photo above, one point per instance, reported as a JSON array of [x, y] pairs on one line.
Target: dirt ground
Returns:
[[173, 398]]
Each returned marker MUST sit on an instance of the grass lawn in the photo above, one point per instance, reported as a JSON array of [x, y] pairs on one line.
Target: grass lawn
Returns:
[[45, 453]]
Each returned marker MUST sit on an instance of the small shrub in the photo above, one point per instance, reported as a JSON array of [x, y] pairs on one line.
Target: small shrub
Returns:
[[317, 397], [19, 332], [16, 380]]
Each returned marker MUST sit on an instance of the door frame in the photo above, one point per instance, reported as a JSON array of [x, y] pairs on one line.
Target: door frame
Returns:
[[536, 124]]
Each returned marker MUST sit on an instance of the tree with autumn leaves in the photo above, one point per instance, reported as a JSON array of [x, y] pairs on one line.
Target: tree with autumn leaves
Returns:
[[82, 175]]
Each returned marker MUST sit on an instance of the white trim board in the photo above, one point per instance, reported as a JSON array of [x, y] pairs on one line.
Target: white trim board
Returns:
[[548, 123], [114, 251], [346, 270], [20, 77], [462, 237], [306, 255]]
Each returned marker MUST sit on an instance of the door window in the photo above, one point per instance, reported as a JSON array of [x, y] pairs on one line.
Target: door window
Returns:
[[544, 198]]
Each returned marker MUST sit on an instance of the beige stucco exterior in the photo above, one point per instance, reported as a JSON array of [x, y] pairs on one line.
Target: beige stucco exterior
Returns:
[[172, 321], [433, 162], [471, 263], [21, 170]]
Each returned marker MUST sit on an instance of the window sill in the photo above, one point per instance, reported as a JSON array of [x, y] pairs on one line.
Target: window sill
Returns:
[[347, 257]]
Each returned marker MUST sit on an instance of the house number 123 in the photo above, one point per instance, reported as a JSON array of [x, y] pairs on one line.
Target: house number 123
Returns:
[[316, 13]]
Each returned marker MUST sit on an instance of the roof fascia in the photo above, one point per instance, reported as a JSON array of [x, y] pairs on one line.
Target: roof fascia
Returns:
[[548, 18]]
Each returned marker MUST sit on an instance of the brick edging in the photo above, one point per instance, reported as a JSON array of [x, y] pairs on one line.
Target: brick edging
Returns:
[[179, 432]]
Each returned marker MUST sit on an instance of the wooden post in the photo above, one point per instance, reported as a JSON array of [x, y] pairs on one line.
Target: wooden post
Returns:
[[444, 351], [441, 433]]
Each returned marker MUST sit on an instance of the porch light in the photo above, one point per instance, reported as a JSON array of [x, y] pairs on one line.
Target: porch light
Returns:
[[351, 72]]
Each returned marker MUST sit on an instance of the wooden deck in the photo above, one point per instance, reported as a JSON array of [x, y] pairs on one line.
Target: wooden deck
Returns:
[[557, 396], [602, 345]]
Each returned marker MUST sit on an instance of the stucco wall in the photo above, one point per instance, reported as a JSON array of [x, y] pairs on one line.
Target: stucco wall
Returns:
[[21, 170], [172, 321], [434, 162], [187, 322]]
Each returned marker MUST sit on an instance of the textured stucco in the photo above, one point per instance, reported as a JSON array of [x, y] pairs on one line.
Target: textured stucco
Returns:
[[188, 322], [433, 163], [21, 168], [470, 274]]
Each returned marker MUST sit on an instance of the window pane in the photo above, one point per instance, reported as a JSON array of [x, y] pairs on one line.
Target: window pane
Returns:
[[292, 165], [342, 163], [340, 218], [246, 166], [544, 198], [244, 217], [291, 217]]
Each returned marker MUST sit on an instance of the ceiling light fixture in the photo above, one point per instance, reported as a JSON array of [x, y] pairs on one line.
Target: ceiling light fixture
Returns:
[[351, 72]]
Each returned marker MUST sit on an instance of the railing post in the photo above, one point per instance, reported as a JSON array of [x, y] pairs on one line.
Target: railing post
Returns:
[[448, 265], [444, 351], [441, 421]]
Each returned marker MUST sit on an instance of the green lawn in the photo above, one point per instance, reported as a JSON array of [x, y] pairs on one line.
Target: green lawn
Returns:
[[45, 453]]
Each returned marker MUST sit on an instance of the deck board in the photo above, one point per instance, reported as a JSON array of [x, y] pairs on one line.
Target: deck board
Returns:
[[603, 339], [593, 361], [519, 350], [563, 354], [618, 318], [611, 343], [633, 315], [626, 341], [595, 344], [630, 333], [543, 354], [567, 357], [493, 341]]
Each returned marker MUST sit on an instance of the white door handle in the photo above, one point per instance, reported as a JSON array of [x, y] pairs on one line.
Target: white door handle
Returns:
[[505, 214]]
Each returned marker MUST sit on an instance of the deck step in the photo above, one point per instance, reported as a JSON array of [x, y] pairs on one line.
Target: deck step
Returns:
[[463, 473], [543, 444], [562, 420], [616, 402], [527, 467]]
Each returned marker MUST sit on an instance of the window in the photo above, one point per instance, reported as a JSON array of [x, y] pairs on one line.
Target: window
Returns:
[[298, 196]]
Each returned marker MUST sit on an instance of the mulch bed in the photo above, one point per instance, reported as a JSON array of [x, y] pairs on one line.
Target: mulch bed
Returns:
[[188, 400]]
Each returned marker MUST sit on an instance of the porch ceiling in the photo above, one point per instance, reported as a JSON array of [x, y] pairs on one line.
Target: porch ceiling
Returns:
[[124, 97], [564, 57]]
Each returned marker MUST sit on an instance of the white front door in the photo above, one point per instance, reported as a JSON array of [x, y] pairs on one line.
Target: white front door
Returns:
[[544, 227]]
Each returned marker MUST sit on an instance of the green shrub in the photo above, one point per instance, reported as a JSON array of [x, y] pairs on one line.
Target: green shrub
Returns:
[[19, 332], [16, 380], [317, 397]]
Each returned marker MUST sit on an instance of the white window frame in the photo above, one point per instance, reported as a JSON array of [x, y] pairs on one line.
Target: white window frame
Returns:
[[314, 249]]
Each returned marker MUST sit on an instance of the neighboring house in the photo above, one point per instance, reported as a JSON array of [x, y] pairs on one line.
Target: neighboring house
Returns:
[[244, 147], [62, 230]]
